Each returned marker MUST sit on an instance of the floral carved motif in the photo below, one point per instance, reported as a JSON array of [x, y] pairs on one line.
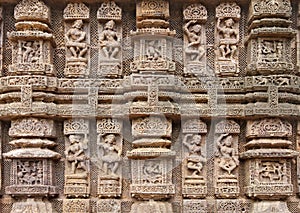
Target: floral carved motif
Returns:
[[32, 10], [76, 11], [109, 10]]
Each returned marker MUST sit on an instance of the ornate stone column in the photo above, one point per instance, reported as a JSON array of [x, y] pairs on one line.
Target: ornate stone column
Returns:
[[76, 16], [32, 170], [268, 161], [110, 34], [32, 167]]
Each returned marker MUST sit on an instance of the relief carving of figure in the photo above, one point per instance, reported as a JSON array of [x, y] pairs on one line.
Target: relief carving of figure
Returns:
[[152, 171], [228, 156], [195, 159], [229, 37], [30, 52], [194, 47], [110, 41], [111, 154], [75, 40], [271, 51], [75, 154], [153, 51]]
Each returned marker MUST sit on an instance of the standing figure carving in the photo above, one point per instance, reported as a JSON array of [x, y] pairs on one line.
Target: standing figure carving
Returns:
[[111, 154], [75, 154], [195, 159], [76, 40], [228, 156], [229, 37], [110, 40], [194, 48]]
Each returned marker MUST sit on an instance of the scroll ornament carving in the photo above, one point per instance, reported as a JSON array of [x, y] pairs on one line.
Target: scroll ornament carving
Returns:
[[227, 126], [32, 10], [270, 127], [75, 11], [32, 127], [151, 126], [109, 10], [195, 12], [108, 206], [76, 205], [194, 126], [109, 125], [76, 126], [263, 7]]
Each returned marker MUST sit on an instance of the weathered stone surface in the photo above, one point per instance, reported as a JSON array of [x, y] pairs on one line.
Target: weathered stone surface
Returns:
[[150, 106]]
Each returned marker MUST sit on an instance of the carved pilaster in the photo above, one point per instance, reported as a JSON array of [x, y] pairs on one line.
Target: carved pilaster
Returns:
[[32, 41], [194, 163], [270, 37], [226, 159], [195, 16], [77, 174], [298, 158], [151, 158], [268, 159], [32, 163], [110, 44], [109, 142], [76, 16], [227, 39]]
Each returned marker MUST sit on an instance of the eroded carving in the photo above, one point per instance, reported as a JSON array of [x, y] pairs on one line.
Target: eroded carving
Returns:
[[227, 161], [227, 39], [76, 39]]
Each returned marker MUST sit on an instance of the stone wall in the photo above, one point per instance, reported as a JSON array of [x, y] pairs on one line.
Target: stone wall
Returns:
[[150, 106]]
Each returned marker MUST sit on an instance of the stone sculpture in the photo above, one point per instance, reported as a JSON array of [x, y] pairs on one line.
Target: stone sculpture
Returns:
[[149, 106]]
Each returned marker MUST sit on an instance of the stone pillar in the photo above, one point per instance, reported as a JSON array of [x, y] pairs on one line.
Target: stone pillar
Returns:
[[152, 74], [76, 16], [268, 163], [32, 170], [110, 33]]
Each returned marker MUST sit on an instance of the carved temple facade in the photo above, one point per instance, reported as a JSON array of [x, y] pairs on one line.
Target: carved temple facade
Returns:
[[150, 106]]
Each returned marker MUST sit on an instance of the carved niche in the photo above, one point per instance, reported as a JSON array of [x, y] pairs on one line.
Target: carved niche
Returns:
[[32, 41], [270, 37], [152, 40], [32, 160], [76, 16], [268, 158], [77, 176], [226, 159], [227, 39], [195, 17], [194, 153], [151, 158], [109, 143], [110, 44]]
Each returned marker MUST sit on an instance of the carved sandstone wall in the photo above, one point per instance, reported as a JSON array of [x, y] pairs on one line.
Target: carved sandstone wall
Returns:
[[150, 106]]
